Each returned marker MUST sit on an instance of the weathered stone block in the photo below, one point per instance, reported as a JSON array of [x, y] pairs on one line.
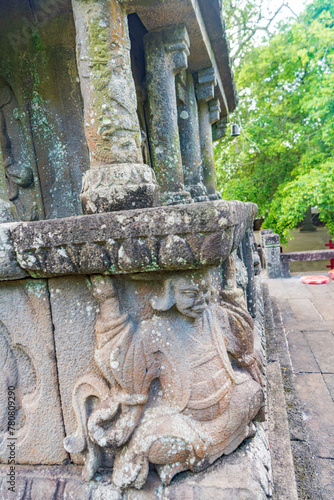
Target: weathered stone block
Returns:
[[271, 240], [9, 268], [74, 314], [119, 187], [133, 241], [28, 362]]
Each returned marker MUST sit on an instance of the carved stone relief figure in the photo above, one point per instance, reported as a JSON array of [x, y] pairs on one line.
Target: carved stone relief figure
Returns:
[[27, 362], [16, 161], [16, 371], [177, 390], [8, 377]]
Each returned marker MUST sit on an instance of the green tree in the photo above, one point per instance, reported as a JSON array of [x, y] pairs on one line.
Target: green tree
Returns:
[[284, 159], [249, 20]]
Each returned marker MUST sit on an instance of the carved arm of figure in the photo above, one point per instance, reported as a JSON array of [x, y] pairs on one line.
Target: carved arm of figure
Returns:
[[116, 354], [240, 341], [120, 357]]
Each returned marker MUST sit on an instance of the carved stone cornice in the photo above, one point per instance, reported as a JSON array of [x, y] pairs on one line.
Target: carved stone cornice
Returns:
[[131, 5], [219, 129], [214, 110], [177, 44], [164, 238], [205, 84]]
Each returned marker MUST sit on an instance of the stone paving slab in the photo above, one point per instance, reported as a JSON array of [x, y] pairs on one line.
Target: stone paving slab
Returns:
[[286, 311], [308, 316], [322, 346], [325, 469], [320, 290], [318, 412], [302, 358], [325, 307], [305, 309], [329, 379], [294, 290], [316, 326]]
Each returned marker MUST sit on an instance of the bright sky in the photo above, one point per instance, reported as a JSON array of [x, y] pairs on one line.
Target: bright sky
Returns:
[[271, 6], [296, 5]]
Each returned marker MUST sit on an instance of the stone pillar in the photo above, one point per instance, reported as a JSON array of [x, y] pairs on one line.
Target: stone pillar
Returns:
[[117, 179], [263, 234], [271, 246], [307, 224], [248, 260], [207, 116], [189, 137], [166, 54]]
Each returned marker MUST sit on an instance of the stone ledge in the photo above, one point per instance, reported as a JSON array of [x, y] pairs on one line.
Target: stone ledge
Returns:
[[284, 480], [9, 268], [164, 238]]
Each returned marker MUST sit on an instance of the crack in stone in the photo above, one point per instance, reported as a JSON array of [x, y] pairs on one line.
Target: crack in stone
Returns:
[[56, 363]]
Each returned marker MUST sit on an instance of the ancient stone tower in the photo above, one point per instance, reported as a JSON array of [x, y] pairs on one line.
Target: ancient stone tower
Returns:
[[128, 293]]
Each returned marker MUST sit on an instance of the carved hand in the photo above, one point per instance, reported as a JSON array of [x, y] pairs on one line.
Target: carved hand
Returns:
[[255, 370], [120, 424], [103, 287]]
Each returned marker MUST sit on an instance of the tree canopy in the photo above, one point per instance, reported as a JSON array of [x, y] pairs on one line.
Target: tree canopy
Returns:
[[284, 158]]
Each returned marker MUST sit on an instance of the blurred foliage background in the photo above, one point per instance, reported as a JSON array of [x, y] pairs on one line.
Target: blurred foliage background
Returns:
[[284, 158]]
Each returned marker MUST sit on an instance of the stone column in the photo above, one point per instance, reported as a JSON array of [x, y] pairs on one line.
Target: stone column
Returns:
[[189, 137], [271, 246], [117, 179], [166, 54], [208, 114], [307, 224], [248, 260]]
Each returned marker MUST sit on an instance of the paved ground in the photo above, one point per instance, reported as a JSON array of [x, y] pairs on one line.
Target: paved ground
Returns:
[[308, 317]]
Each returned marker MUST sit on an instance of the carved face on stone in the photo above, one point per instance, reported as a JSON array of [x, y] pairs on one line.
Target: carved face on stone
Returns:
[[192, 296], [190, 293]]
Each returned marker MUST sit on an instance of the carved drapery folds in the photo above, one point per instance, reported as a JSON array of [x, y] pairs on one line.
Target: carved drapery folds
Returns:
[[163, 398], [117, 179]]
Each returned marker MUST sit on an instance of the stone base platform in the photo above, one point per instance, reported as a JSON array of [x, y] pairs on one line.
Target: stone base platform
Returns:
[[180, 237], [243, 475]]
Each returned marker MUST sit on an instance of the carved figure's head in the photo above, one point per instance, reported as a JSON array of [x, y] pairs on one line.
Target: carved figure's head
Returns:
[[189, 292]]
